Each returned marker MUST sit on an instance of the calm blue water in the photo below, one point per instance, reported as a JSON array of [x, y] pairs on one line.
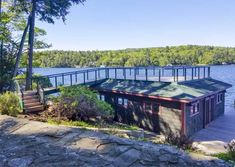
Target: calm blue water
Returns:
[[224, 73]]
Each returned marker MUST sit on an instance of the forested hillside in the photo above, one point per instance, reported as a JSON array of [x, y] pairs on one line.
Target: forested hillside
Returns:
[[178, 55]]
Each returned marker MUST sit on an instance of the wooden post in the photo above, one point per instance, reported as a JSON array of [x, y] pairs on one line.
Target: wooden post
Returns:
[[56, 82], [95, 75], [84, 78], [173, 71], [134, 73], [124, 73], [177, 74], [159, 75], [115, 72], [63, 79], [195, 71], [204, 72], [76, 77], [71, 79], [98, 73], [198, 72], [209, 71], [146, 74], [185, 74], [192, 73]]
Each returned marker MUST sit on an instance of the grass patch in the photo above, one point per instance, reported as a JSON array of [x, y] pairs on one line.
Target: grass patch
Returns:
[[92, 125], [71, 123], [226, 156]]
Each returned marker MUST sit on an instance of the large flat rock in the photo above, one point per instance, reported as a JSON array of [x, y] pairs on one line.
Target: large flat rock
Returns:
[[26, 143]]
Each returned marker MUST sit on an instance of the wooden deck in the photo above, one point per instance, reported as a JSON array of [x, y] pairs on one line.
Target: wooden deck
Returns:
[[217, 134]]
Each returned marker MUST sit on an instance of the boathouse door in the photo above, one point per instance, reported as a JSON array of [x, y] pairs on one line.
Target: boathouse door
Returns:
[[209, 109]]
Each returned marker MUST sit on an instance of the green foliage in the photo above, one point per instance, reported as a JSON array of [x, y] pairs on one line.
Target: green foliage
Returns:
[[9, 104], [226, 156], [44, 82], [71, 123], [178, 55], [80, 103], [230, 154]]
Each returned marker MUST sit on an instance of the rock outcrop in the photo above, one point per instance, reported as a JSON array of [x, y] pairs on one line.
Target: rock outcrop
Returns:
[[26, 143]]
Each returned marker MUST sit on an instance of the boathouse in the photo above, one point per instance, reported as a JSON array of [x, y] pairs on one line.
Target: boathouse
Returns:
[[183, 107], [178, 99]]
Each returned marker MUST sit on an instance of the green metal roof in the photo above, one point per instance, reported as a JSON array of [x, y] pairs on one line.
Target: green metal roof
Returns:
[[187, 90]]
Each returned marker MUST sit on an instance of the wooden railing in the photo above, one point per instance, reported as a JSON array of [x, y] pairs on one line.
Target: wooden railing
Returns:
[[160, 74]]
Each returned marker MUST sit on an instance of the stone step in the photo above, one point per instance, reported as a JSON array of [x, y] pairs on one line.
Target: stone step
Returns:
[[34, 109]]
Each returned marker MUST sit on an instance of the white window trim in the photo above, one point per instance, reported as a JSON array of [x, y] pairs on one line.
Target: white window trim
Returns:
[[219, 98], [195, 105]]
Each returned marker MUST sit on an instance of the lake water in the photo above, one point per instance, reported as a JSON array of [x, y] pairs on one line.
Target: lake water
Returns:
[[224, 73]]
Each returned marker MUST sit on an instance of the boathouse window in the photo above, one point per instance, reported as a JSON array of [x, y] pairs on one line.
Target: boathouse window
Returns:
[[123, 102], [120, 101], [219, 98], [195, 108], [148, 107], [102, 97], [151, 107]]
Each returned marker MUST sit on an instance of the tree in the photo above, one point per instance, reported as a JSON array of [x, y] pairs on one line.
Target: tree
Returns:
[[45, 10]]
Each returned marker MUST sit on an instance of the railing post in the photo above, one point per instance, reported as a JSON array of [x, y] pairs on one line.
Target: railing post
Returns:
[[192, 73], [177, 74], [71, 79], [198, 72], [87, 75], [56, 82], [209, 71], [115, 71], [154, 72], [204, 72], [134, 73], [84, 78], [163, 71], [63, 79], [130, 71], [159, 73], [95, 75], [98, 73], [76, 77], [124, 73], [185, 74], [146, 74]]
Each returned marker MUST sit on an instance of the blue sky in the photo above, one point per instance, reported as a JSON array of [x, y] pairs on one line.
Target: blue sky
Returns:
[[118, 24]]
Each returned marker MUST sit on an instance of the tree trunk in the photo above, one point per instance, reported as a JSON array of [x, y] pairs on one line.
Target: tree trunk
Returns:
[[21, 48], [31, 43], [1, 45]]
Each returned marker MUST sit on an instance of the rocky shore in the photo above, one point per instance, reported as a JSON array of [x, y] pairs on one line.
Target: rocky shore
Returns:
[[25, 143]]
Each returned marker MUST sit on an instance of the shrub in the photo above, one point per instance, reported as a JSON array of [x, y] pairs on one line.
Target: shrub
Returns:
[[9, 104], [230, 154], [80, 103], [179, 140]]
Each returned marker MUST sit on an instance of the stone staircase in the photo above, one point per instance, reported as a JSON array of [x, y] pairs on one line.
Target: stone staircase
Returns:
[[32, 102]]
